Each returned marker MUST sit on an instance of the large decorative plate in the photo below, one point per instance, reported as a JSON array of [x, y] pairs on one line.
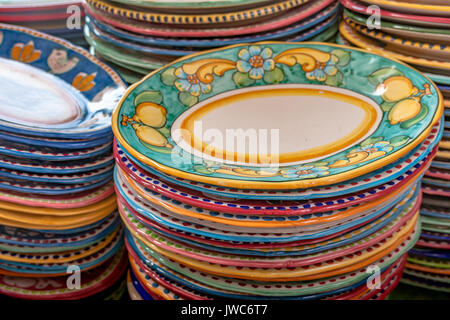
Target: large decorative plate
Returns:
[[334, 119], [70, 94]]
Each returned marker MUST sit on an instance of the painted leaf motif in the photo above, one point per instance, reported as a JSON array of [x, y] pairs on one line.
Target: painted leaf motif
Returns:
[[187, 99], [377, 77], [335, 80], [168, 76], [148, 96], [343, 56], [242, 79], [399, 141], [274, 76]]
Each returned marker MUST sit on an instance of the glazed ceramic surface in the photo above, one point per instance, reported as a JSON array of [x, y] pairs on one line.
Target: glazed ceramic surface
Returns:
[[232, 82], [419, 7], [83, 89], [292, 16], [201, 19], [398, 44], [160, 41], [363, 42], [411, 32], [419, 19]]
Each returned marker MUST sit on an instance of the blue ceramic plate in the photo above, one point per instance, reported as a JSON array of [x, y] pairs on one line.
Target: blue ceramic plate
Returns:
[[69, 93], [49, 188], [9, 138], [52, 167], [36, 239], [53, 155], [84, 263], [78, 178]]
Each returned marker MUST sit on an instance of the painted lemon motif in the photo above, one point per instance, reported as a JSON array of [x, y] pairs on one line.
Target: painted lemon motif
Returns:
[[396, 88], [404, 110], [151, 114], [151, 136]]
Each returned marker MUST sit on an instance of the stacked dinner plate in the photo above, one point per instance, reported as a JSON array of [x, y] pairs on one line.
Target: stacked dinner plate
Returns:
[[428, 261], [60, 18], [139, 36], [58, 214], [273, 171], [419, 34]]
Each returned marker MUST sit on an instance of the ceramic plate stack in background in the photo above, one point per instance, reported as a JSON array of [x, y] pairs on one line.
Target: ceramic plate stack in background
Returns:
[[428, 262], [57, 204], [60, 18], [329, 191], [418, 34], [137, 37]]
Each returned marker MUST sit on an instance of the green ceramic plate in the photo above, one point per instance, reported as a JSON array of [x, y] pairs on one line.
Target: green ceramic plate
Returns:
[[331, 112]]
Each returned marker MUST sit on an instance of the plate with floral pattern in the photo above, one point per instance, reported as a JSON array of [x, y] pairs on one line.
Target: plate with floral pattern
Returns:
[[70, 94], [211, 88]]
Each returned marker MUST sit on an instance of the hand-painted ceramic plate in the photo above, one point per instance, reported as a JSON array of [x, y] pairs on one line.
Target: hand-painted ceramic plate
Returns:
[[85, 177], [83, 89], [185, 200], [92, 282], [9, 137], [245, 16], [147, 28], [134, 218], [54, 155], [254, 223], [415, 6], [51, 167], [53, 270], [19, 5], [405, 46], [222, 194], [389, 222], [46, 239], [211, 42], [419, 19], [227, 81], [295, 260], [241, 289], [192, 4], [24, 186], [411, 32], [318, 271], [363, 42]]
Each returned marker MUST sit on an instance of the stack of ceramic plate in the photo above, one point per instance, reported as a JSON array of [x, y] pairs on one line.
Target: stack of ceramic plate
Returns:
[[60, 18], [139, 36], [272, 171], [57, 205], [419, 34], [428, 263]]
